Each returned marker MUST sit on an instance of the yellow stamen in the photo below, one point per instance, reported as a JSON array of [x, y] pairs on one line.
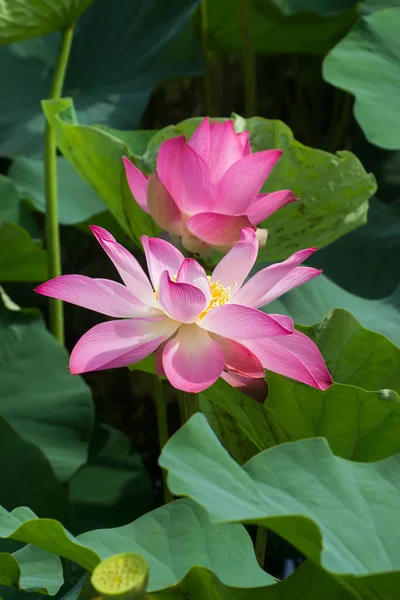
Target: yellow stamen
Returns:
[[219, 295]]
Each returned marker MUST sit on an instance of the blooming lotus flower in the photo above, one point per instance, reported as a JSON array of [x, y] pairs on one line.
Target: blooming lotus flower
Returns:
[[207, 189], [201, 328]]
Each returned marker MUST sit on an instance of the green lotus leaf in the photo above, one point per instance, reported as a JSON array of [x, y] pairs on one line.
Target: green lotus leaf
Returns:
[[22, 19], [304, 493], [40, 399], [366, 63]]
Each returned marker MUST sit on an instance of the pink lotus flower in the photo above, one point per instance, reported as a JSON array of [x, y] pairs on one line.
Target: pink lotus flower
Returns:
[[200, 327], [207, 189]]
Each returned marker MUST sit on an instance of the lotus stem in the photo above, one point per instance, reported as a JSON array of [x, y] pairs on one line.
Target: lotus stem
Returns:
[[162, 427], [248, 58], [189, 404], [260, 547], [50, 176]]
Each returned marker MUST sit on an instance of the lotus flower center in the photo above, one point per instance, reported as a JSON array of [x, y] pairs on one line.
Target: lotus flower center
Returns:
[[219, 295]]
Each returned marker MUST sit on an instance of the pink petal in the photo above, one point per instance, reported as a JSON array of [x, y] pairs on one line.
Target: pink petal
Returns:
[[191, 272], [181, 301], [101, 295], [192, 360], [234, 267], [238, 358], [119, 343], [137, 183], [244, 139], [275, 280], [200, 139], [185, 175], [266, 204], [294, 356], [216, 229], [161, 256], [255, 388], [158, 360], [162, 206], [225, 149], [241, 323], [241, 183], [127, 266]]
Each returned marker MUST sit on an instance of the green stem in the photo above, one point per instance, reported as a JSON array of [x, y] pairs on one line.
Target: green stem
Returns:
[[189, 404], [207, 72], [50, 176], [261, 545], [162, 426], [248, 58]]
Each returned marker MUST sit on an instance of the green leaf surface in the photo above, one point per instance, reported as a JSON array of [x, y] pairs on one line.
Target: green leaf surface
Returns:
[[354, 355], [27, 478], [112, 70], [305, 494], [22, 19], [273, 31], [97, 156], [31, 569], [42, 401], [41, 571], [359, 425], [77, 201], [312, 301], [173, 539], [333, 190], [21, 258], [367, 64], [113, 487]]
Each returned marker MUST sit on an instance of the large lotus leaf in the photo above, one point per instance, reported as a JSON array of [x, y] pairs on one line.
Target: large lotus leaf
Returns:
[[366, 262], [118, 57], [32, 570], [311, 302], [27, 478], [113, 487], [354, 355], [21, 19], [273, 31], [367, 64], [333, 189], [42, 401], [304, 493], [173, 539], [359, 425], [77, 201], [96, 154], [21, 258]]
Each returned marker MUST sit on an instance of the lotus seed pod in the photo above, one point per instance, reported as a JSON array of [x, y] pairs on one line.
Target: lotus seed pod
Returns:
[[123, 576]]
